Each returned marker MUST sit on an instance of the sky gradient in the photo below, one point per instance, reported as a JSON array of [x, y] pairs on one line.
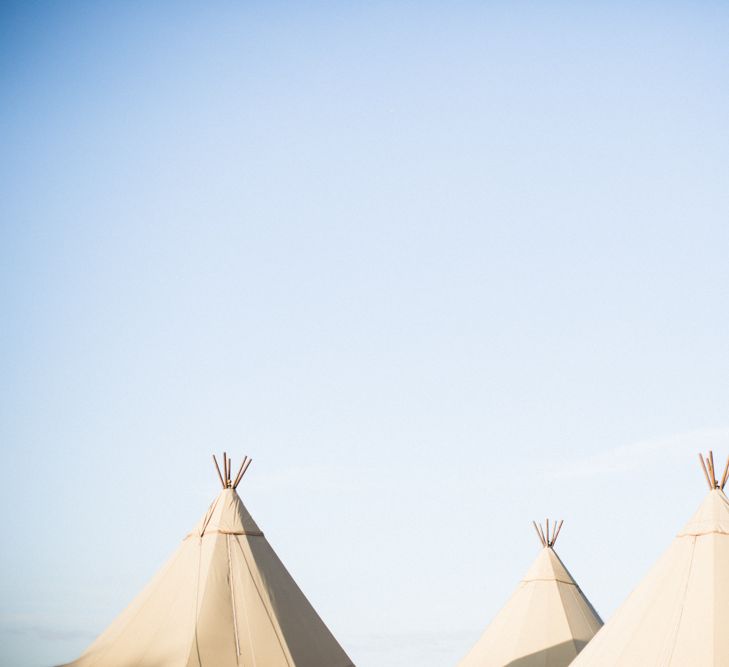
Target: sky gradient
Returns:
[[440, 270]]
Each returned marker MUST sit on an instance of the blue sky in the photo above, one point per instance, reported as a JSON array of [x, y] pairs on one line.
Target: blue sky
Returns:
[[440, 270]]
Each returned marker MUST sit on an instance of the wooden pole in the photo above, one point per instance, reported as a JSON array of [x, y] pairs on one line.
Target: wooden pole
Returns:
[[706, 474], [217, 467], [556, 534], [544, 539], [725, 475], [243, 472], [240, 470], [541, 539], [713, 470], [548, 544]]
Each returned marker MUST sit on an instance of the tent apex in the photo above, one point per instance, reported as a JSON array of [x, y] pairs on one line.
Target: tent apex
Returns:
[[546, 537], [707, 465], [227, 481]]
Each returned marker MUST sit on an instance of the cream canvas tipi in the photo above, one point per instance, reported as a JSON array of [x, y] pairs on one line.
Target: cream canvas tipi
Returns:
[[678, 616], [547, 621], [224, 599]]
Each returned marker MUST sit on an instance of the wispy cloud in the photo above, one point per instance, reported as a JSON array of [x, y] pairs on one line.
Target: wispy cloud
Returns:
[[641, 454]]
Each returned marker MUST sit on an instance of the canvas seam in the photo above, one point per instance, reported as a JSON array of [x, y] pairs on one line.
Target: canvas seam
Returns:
[[282, 643], [232, 599], [683, 602]]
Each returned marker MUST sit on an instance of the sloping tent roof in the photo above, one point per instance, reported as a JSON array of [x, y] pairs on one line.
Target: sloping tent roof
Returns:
[[224, 599], [547, 621], [679, 613]]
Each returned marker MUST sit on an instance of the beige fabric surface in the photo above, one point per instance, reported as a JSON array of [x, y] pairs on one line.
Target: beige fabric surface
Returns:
[[224, 599], [546, 622], [678, 616]]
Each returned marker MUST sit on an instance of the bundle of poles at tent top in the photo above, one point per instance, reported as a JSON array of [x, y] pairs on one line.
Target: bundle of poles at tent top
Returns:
[[545, 538], [225, 480], [710, 473]]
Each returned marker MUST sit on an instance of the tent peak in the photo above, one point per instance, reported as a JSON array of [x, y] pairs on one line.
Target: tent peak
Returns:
[[707, 465], [226, 480], [544, 535]]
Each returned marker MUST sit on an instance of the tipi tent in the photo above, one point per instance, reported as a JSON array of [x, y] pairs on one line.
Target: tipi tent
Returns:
[[224, 599], [547, 621], [679, 613]]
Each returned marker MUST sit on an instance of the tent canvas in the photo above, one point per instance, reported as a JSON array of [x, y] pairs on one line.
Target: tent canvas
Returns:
[[547, 621], [678, 615], [224, 599]]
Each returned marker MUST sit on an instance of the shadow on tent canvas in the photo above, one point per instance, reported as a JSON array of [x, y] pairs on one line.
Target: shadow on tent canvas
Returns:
[[558, 655]]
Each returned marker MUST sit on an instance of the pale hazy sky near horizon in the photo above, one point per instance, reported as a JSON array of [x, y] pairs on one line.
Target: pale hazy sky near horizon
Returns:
[[440, 269]]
